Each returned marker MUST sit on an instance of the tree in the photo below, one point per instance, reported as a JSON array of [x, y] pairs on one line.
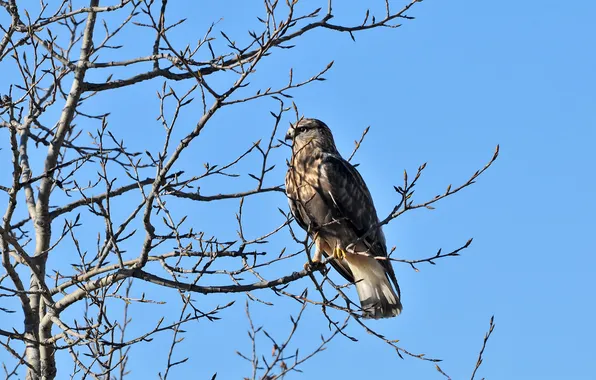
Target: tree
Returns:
[[96, 210]]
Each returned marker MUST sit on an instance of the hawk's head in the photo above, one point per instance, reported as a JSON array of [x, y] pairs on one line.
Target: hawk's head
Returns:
[[310, 131]]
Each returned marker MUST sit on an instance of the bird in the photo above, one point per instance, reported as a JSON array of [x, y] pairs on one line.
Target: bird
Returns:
[[329, 200]]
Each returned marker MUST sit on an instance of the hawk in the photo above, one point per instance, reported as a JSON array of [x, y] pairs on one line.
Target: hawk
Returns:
[[330, 201]]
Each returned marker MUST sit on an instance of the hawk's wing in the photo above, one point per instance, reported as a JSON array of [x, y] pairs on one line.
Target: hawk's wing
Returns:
[[309, 206], [343, 188]]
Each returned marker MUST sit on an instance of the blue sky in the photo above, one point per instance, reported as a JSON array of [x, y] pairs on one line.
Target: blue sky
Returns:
[[445, 89]]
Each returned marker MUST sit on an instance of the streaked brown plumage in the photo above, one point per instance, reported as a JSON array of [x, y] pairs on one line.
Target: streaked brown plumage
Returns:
[[330, 200]]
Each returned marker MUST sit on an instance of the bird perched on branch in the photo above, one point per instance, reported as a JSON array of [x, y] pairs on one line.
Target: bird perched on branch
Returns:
[[330, 201]]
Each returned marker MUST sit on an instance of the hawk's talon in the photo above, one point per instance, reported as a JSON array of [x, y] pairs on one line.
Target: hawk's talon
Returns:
[[313, 266], [339, 254]]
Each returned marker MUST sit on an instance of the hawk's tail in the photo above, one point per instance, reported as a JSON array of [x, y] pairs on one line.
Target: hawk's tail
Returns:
[[377, 297]]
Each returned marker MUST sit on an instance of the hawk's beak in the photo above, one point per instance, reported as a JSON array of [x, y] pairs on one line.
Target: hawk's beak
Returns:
[[290, 134]]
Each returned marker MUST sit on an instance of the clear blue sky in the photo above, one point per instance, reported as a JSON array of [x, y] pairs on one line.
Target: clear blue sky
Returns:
[[445, 88]]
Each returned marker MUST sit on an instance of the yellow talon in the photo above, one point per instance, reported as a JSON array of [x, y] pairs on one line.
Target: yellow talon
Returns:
[[339, 254]]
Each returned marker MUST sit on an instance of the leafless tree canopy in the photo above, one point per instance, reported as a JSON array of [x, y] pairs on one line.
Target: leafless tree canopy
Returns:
[[91, 215]]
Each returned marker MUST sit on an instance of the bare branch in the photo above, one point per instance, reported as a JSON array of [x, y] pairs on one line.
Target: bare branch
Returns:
[[486, 337], [98, 206]]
